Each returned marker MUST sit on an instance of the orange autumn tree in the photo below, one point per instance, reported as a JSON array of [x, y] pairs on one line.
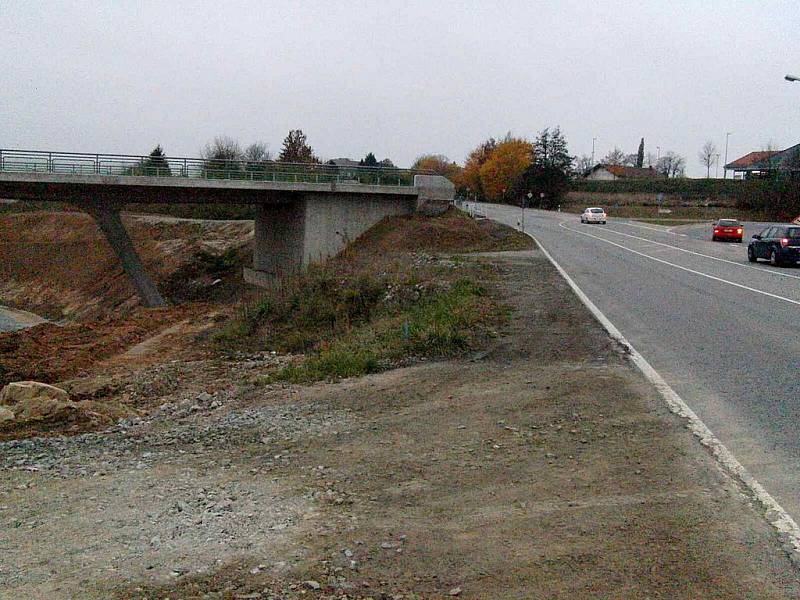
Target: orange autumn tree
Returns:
[[504, 167], [470, 178], [439, 164]]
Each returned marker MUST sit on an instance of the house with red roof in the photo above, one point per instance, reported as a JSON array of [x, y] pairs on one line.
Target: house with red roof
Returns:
[[765, 163]]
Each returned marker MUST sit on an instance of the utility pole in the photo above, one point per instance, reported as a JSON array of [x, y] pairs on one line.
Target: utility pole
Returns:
[[725, 172], [593, 141], [658, 153], [717, 160]]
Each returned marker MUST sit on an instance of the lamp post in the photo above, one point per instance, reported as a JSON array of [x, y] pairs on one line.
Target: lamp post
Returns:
[[717, 160], [725, 171], [658, 153], [593, 141]]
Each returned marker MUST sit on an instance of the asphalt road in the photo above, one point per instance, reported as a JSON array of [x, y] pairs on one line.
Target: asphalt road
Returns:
[[724, 333]]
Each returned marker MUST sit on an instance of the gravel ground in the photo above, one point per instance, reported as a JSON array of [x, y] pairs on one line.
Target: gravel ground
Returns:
[[543, 468]]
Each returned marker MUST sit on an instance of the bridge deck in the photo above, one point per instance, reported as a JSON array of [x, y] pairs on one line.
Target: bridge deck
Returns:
[[33, 186]]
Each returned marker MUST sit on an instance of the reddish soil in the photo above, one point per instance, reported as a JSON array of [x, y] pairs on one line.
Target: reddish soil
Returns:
[[58, 264], [50, 353]]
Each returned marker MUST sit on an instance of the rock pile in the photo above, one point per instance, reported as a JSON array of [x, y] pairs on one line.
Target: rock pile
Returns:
[[26, 401]]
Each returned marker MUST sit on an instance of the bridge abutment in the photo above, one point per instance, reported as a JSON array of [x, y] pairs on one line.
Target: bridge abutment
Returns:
[[314, 227]]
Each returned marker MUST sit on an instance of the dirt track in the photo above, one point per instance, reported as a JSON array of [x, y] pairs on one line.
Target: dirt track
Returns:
[[545, 469]]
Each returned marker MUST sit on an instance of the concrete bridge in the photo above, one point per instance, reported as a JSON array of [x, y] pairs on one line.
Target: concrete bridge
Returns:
[[304, 213]]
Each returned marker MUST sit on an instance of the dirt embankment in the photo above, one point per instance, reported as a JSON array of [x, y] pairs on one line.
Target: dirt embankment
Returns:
[[58, 264]]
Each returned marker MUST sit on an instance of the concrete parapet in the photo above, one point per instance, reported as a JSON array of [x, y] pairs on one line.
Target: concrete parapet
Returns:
[[435, 193]]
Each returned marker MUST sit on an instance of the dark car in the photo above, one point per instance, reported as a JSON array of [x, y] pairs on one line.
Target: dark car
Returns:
[[727, 229], [780, 244]]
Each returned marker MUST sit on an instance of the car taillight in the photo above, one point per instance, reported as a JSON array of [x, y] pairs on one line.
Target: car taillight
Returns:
[[784, 242], [739, 230]]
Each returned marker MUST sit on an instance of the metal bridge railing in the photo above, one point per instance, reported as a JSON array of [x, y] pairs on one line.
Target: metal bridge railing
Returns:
[[74, 163]]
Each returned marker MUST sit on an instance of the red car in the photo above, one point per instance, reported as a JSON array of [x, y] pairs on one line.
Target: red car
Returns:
[[728, 229]]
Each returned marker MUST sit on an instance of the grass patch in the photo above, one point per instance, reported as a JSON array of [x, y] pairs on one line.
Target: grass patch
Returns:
[[371, 309], [448, 323]]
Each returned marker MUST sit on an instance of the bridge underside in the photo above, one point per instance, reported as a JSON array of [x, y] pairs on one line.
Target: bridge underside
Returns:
[[295, 225]]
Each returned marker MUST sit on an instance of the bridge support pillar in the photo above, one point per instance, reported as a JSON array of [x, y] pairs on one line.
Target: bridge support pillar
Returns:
[[279, 234], [110, 223]]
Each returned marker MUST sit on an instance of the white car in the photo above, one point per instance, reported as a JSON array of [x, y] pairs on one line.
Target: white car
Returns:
[[593, 215]]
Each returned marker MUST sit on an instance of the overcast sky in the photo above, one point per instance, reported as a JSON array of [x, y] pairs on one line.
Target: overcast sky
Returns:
[[399, 78]]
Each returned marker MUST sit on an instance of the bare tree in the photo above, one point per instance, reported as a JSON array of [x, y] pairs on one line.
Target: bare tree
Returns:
[[222, 147], [222, 157], [583, 164], [671, 165], [706, 156], [256, 156], [257, 152], [631, 160], [615, 157]]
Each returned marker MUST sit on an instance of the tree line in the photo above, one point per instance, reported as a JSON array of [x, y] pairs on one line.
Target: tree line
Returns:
[[224, 154]]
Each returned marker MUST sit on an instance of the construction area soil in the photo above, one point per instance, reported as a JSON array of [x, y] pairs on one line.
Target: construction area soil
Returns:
[[543, 466], [59, 266]]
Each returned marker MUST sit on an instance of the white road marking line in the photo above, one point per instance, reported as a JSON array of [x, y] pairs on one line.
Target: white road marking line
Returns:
[[773, 511], [725, 260], [682, 268], [659, 229]]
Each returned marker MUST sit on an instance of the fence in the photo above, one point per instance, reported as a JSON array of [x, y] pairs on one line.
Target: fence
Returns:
[[74, 163]]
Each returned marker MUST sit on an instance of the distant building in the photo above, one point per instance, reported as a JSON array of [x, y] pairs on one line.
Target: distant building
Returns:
[[603, 172], [757, 165], [343, 162], [349, 162]]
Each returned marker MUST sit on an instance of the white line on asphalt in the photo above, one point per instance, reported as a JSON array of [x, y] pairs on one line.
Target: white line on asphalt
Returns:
[[773, 512], [659, 229], [725, 260]]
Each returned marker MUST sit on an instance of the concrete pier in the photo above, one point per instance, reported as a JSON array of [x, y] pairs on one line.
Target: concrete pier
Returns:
[[110, 223], [291, 236]]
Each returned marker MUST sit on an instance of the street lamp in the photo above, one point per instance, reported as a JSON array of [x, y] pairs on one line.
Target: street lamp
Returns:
[[725, 172], [792, 78]]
